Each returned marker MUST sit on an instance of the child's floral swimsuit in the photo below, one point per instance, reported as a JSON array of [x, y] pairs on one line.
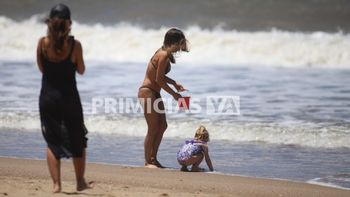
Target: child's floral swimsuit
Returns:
[[189, 149]]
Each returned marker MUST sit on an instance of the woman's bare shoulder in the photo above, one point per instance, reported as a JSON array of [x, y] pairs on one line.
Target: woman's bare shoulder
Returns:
[[161, 54], [77, 41], [44, 41], [77, 46]]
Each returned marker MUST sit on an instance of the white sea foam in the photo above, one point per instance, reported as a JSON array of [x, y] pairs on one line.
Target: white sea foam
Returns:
[[331, 137], [334, 181], [128, 43]]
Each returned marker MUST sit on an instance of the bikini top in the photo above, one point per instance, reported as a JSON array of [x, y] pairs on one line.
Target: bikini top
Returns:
[[155, 66]]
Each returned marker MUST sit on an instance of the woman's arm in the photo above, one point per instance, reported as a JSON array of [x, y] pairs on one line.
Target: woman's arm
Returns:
[[38, 55], [79, 58], [178, 87], [170, 80], [207, 158], [161, 78]]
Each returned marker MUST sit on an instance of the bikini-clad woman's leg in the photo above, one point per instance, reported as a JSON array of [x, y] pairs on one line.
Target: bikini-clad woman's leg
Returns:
[[162, 127], [147, 98], [150, 139]]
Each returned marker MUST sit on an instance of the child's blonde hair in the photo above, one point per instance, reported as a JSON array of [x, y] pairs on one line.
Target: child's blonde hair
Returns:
[[202, 134]]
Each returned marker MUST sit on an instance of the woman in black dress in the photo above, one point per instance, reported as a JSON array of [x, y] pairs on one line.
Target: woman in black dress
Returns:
[[59, 57]]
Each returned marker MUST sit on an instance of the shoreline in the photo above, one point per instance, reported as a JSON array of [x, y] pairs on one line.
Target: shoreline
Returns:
[[27, 176], [311, 181]]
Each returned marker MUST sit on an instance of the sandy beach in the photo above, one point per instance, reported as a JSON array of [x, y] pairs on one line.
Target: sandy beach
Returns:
[[23, 177]]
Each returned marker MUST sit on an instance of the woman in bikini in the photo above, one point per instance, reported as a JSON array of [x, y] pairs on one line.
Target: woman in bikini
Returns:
[[149, 92]]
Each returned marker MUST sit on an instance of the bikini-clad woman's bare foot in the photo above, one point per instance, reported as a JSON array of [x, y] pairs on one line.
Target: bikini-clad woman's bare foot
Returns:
[[56, 188], [156, 162], [148, 165], [83, 185]]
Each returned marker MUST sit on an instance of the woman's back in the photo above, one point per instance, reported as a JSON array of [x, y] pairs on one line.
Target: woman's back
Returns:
[[58, 69]]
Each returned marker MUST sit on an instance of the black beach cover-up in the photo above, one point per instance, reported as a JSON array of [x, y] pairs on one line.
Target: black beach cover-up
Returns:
[[61, 114]]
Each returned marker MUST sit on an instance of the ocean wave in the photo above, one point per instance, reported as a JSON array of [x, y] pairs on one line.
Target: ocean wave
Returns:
[[325, 137], [340, 181], [124, 42]]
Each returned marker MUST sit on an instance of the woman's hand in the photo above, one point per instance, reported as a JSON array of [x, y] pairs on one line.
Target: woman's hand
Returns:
[[177, 96], [179, 87]]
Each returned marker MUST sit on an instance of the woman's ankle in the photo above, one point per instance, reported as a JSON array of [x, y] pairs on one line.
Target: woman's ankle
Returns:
[[82, 185], [57, 186]]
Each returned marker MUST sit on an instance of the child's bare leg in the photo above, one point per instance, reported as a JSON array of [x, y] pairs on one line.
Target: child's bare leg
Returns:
[[55, 170], [197, 160]]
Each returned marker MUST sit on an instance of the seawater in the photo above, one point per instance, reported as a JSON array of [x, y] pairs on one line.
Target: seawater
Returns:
[[294, 123]]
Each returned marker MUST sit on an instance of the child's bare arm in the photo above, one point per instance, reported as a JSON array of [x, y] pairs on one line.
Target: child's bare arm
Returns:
[[207, 158]]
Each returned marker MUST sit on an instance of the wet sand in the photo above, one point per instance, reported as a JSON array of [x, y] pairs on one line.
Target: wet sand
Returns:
[[24, 177]]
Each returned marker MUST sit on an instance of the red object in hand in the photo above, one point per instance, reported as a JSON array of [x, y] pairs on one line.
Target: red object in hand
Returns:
[[184, 102]]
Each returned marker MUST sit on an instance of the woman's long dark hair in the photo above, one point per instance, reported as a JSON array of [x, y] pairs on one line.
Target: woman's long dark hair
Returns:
[[174, 36], [57, 32]]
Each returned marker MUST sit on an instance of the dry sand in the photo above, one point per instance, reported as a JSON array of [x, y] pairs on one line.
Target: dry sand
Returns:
[[23, 177]]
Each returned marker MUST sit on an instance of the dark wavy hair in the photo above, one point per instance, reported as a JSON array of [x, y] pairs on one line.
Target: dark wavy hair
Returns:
[[175, 36], [57, 30]]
